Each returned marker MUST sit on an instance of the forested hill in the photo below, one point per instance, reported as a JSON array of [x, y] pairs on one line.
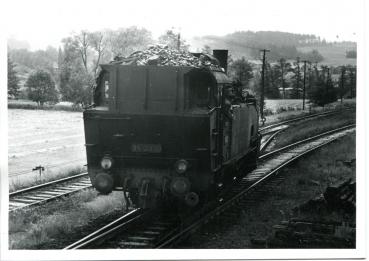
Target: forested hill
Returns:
[[282, 45]]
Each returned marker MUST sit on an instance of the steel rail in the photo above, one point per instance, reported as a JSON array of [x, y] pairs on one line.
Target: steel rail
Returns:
[[39, 194], [54, 182], [302, 118], [265, 144], [125, 220], [305, 140], [173, 233], [275, 129], [235, 198]]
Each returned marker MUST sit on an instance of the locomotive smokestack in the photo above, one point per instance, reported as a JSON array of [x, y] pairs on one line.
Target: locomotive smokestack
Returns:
[[222, 57]]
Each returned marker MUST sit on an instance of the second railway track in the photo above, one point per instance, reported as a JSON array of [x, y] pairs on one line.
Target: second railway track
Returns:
[[37, 195], [153, 229]]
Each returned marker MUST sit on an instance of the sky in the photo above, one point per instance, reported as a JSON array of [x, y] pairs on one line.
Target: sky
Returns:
[[46, 22]]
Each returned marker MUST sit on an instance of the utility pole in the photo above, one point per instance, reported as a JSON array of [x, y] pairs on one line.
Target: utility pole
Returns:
[[327, 82], [298, 77], [282, 62], [262, 87], [343, 71], [179, 41], [352, 82], [303, 92], [316, 70], [310, 76]]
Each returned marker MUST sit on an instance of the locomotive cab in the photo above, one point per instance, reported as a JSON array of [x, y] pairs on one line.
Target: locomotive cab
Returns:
[[167, 133]]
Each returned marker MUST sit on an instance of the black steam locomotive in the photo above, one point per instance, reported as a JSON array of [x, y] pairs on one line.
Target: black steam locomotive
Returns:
[[169, 133]]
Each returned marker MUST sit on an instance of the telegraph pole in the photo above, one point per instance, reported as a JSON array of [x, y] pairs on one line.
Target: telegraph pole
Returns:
[[352, 82], [282, 76], [179, 41], [303, 92], [298, 77], [310, 78], [343, 70], [328, 79], [262, 87]]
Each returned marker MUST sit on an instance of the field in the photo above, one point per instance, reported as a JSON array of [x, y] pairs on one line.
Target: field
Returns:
[[52, 139], [274, 105]]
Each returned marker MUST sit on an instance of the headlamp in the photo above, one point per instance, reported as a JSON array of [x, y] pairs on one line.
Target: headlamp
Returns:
[[106, 162], [181, 166]]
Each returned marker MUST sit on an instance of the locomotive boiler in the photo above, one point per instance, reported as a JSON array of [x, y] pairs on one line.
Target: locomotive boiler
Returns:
[[169, 133]]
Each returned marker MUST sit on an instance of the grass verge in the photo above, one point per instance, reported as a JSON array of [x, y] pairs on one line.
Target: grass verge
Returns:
[[18, 182], [306, 179], [288, 113], [311, 127], [28, 105], [54, 226]]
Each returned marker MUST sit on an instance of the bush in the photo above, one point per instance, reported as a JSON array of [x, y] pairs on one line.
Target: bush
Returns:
[[323, 94], [41, 88]]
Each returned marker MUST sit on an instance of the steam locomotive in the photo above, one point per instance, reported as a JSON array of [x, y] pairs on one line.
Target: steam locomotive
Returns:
[[169, 133]]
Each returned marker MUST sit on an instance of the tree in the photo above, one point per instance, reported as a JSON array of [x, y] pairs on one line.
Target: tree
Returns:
[[82, 44], [76, 88], [125, 41], [296, 79], [31, 61], [171, 39], [98, 42], [324, 91], [272, 81], [41, 87], [312, 56], [352, 80], [241, 71], [13, 81], [75, 83], [280, 69]]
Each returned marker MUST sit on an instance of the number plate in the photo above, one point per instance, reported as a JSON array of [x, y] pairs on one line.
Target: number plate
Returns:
[[148, 148]]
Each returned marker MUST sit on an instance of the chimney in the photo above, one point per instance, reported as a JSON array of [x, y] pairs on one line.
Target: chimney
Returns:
[[222, 57]]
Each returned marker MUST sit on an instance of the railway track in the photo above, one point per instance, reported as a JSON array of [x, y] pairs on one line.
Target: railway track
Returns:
[[37, 195], [158, 229], [273, 127], [271, 131]]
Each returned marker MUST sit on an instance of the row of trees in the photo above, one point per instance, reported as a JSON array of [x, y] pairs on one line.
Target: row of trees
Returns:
[[285, 79], [266, 38], [74, 67], [40, 85]]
